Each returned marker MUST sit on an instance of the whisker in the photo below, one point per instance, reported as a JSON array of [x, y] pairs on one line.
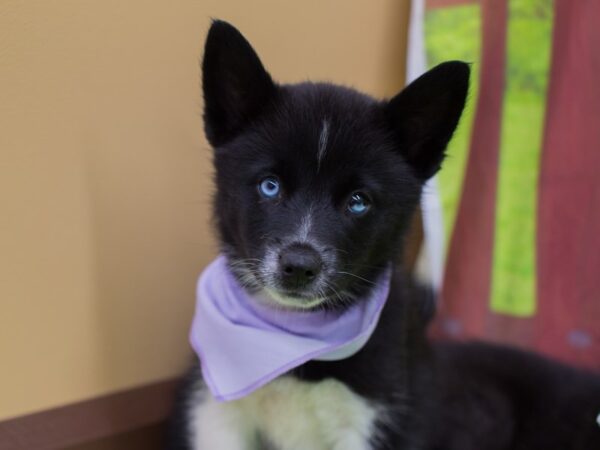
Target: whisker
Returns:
[[356, 276], [329, 248]]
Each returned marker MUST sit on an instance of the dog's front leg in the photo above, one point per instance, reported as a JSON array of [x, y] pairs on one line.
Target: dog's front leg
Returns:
[[219, 426]]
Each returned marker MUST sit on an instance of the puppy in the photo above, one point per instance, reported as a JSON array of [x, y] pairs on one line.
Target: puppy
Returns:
[[315, 188]]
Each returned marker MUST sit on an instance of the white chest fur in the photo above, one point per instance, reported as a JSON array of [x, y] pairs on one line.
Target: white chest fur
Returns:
[[290, 414]]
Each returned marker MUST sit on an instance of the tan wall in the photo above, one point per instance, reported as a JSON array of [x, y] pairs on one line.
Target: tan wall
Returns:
[[105, 177]]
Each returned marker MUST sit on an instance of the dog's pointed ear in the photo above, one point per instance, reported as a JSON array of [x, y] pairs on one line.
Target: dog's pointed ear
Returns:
[[425, 114], [236, 86]]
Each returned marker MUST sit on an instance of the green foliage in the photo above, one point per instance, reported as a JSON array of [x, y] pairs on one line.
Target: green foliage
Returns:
[[528, 63], [529, 36]]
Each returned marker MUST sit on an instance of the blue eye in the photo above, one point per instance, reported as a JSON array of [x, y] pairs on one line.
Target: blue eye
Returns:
[[358, 204], [269, 187]]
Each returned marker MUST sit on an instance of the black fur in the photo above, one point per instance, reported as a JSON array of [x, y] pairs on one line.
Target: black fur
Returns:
[[443, 396]]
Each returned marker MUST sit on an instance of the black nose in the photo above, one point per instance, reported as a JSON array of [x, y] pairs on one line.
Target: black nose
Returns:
[[299, 265]]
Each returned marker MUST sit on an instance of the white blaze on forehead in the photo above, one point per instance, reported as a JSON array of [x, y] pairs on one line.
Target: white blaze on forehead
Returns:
[[323, 137], [305, 227]]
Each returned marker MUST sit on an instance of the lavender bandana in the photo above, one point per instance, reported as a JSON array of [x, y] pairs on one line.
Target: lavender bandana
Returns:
[[243, 343]]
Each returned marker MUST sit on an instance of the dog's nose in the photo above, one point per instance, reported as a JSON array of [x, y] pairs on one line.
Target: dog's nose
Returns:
[[299, 265]]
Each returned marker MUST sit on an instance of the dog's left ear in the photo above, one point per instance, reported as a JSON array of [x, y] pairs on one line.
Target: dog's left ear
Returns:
[[425, 114]]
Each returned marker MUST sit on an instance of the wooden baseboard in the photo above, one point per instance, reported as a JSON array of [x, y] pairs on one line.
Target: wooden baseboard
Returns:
[[89, 420]]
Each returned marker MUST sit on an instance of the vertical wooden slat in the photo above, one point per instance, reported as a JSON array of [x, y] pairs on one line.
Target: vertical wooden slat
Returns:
[[468, 267]]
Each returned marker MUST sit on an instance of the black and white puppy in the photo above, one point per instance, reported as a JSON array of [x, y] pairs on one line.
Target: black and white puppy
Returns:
[[346, 173]]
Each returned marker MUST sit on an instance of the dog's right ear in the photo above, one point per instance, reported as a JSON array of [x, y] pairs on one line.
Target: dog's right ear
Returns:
[[236, 86]]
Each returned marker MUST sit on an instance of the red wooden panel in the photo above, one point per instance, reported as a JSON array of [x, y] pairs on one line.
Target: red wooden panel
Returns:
[[568, 324]]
